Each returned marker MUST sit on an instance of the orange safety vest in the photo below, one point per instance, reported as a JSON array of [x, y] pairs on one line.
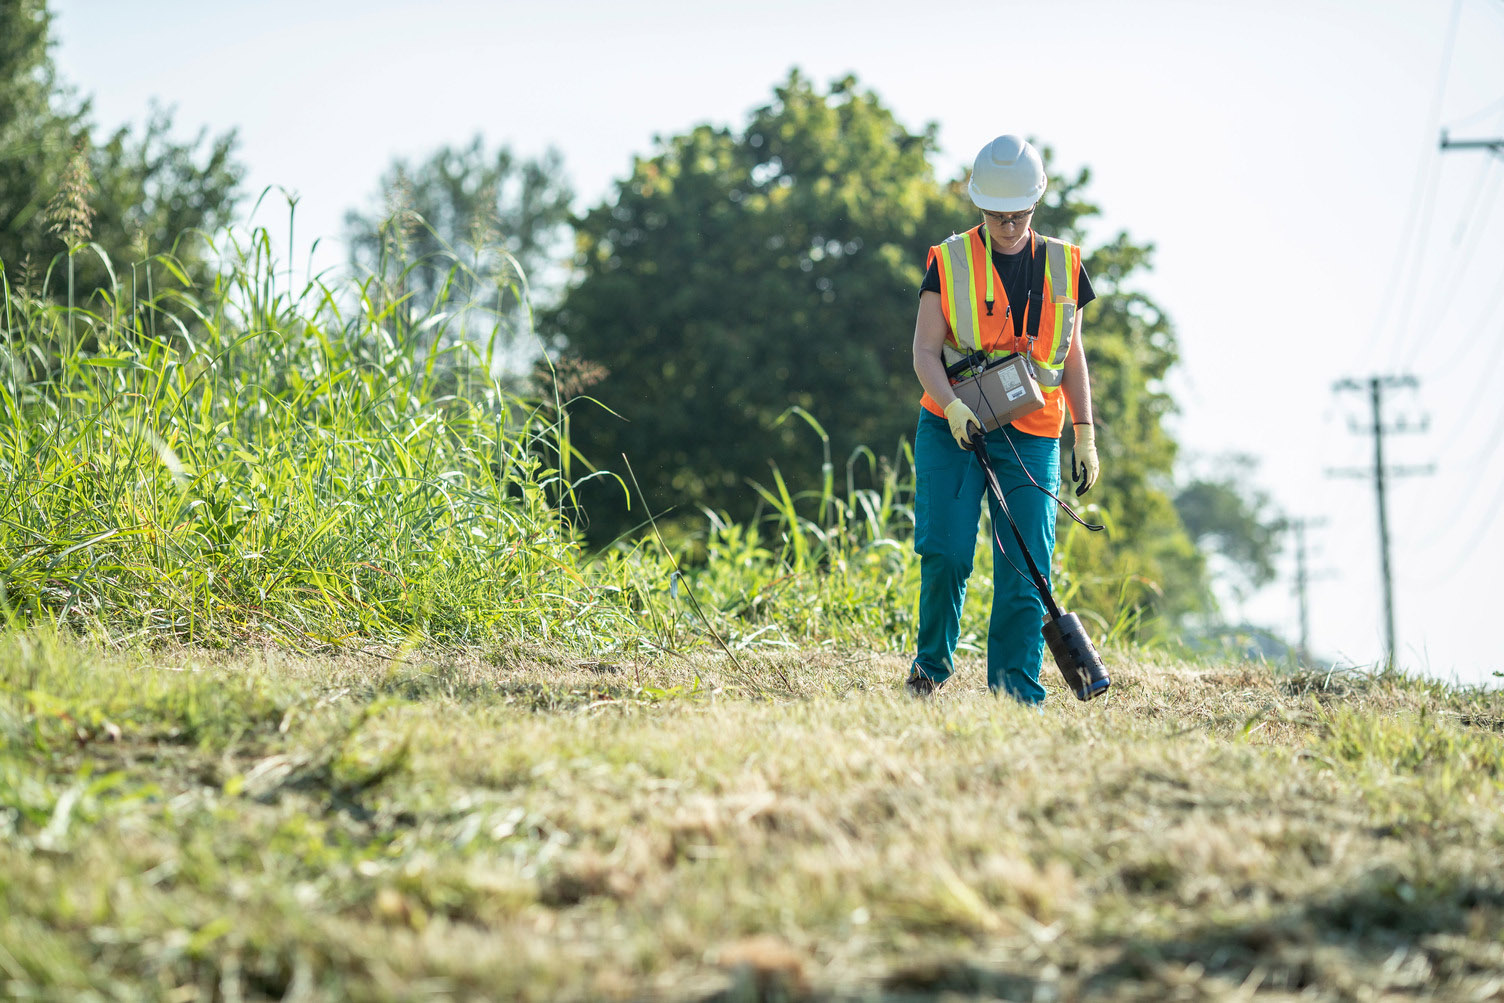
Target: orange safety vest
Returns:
[[968, 280]]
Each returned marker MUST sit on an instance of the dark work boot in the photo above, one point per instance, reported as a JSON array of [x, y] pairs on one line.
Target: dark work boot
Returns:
[[919, 685]]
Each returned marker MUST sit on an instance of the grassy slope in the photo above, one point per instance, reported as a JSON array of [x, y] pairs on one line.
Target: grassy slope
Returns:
[[184, 825]]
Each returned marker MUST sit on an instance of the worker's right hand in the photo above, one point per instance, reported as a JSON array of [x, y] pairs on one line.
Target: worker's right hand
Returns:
[[963, 423]]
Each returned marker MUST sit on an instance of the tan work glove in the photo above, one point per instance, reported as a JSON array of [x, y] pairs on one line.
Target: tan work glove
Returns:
[[963, 422], [1084, 463]]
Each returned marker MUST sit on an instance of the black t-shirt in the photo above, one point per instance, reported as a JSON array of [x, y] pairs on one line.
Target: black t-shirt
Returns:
[[1013, 271]]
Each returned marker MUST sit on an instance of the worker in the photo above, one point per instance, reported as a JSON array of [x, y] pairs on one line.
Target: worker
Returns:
[[976, 295]]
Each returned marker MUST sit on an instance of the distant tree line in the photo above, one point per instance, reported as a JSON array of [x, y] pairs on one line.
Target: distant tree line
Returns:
[[134, 192], [734, 274], [738, 273]]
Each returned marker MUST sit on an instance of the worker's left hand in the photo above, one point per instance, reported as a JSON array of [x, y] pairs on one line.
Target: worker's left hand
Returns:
[[1084, 463]]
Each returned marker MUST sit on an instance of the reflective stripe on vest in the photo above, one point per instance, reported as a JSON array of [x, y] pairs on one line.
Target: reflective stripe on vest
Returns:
[[1064, 296], [962, 310], [957, 260]]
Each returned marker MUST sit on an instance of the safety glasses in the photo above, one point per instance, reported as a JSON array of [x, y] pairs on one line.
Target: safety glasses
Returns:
[[1007, 218]]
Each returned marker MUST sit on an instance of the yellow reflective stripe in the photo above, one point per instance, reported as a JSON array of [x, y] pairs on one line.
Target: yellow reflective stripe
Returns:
[[1048, 307], [1056, 268], [948, 287], [1048, 379], [1073, 263], [974, 317], [1062, 279], [1067, 319]]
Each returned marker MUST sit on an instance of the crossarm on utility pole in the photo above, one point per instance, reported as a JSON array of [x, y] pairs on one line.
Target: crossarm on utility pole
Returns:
[[1495, 146]]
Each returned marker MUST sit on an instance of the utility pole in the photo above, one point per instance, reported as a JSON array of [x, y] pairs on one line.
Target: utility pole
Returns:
[[1376, 385], [1302, 581]]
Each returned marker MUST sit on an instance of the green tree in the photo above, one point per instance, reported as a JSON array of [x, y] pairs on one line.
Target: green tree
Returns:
[[145, 189], [1229, 517], [737, 274], [36, 140], [485, 224]]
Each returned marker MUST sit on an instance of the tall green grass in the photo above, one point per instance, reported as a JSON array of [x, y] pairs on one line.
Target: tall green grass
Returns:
[[253, 460], [249, 461]]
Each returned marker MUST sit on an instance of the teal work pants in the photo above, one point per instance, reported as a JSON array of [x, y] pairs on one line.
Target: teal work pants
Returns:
[[947, 511]]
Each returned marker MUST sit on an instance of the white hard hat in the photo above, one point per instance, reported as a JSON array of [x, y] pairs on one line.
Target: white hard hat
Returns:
[[1008, 175]]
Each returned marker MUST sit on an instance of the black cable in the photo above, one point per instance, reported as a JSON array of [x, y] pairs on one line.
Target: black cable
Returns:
[[1037, 579], [992, 523], [979, 447], [1092, 526]]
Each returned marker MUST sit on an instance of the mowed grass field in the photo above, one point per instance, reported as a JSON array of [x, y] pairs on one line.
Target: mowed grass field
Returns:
[[518, 823]]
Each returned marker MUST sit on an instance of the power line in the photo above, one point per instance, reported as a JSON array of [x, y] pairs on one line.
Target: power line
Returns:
[[1480, 113], [1422, 173], [1376, 385], [1468, 519], [1472, 223], [1470, 543], [1451, 279], [1411, 244], [1484, 373], [1464, 518]]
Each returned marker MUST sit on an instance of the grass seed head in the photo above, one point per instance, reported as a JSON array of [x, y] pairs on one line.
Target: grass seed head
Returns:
[[69, 214]]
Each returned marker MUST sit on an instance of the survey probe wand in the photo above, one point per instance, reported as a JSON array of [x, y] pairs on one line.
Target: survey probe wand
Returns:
[[1073, 651]]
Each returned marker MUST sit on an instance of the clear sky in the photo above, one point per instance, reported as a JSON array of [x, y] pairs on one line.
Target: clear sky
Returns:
[[1281, 155]]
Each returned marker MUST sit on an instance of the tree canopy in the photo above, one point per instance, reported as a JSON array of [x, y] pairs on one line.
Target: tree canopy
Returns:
[[738, 273], [468, 225], [1228, 516], [133, 192], [735, 275]]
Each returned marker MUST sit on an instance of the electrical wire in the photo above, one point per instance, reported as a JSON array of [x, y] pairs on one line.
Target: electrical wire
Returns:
[[1423, 188], [1485, 374], [1393, 340], [1484, 381], [1472, 224], [1470, 543], [1475, 116], [1464, 519], [1470, 524], [1473, 531]]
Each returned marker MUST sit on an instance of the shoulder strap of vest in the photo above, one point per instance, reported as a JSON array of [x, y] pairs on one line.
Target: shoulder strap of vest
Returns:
[[1036, 289]]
